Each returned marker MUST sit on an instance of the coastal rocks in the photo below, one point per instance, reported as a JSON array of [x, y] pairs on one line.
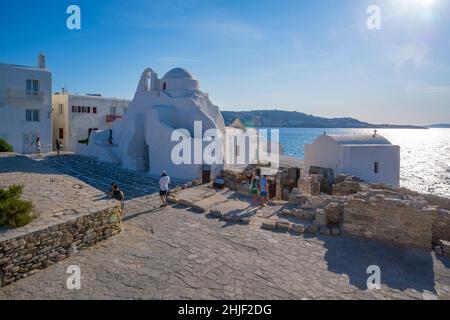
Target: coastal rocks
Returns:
[[20, 256]]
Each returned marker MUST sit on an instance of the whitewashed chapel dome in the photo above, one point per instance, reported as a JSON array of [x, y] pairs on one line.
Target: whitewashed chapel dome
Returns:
[[178, 73], [179, 79]]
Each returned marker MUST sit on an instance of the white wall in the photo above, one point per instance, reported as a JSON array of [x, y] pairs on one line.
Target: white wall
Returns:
[[359, 160], [13, 125], [324, 152], [76, 125], [142, 139]]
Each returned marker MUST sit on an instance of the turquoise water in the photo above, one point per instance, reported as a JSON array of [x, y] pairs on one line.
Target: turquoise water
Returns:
[[425, 154]]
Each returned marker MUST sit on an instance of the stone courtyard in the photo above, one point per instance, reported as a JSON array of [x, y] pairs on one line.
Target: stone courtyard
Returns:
[[182, 252]]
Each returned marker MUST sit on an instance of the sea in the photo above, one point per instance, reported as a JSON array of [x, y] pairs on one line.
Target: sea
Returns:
[[425, 153]]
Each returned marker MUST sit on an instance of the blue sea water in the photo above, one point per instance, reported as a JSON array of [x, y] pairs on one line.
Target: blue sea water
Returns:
[[425, 154]]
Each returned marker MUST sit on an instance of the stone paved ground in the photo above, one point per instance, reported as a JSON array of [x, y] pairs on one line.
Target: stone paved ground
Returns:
[[179, 254], [174, 253], [55, 196], [101, 175]]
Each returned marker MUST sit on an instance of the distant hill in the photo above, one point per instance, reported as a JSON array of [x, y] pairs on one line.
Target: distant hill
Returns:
[[294, 119], [440, 125]]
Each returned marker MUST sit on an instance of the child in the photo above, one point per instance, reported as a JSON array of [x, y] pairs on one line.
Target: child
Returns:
[[254, 188]]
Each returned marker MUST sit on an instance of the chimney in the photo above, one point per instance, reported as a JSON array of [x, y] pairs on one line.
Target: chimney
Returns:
[[41, 61]]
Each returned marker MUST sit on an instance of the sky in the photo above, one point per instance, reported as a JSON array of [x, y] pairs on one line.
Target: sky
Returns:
[[312, 56]]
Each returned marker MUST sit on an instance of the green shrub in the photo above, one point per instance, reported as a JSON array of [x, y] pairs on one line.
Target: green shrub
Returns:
[[5, 146], [14, 212]]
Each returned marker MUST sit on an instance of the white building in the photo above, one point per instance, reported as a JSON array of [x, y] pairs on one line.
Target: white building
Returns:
[[25, 106], [75, 116], [143, 139], [369, 157]]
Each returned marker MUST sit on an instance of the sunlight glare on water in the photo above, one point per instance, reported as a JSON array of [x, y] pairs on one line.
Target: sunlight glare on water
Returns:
[[425, 154]]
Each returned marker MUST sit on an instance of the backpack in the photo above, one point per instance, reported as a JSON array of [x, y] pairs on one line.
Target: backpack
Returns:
[[118, 195]]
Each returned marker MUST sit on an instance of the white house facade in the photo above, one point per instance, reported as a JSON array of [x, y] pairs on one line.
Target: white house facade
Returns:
[[75, 116], [143, 139], [369, 157], [25, 106]]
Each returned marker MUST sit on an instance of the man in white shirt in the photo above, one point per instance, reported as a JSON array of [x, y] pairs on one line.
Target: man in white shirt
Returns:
[[164, 182]]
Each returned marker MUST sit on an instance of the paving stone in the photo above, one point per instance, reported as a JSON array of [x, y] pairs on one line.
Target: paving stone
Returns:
[[172, 253]]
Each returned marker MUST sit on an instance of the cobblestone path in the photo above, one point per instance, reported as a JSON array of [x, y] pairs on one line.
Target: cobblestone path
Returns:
[[100, 175], [174, 253]]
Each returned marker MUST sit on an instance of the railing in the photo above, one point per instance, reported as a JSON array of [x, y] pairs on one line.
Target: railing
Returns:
[[24, 96], [112, 118]]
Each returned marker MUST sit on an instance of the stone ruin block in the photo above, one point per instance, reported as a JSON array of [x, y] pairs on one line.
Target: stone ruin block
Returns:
[[347, 188], [326, 183], [391, 220], [334, 214], [296, 197], [320, 218], [445, 245], [310, 185]]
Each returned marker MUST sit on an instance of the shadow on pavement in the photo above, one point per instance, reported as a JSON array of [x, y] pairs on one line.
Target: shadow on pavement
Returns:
[[401, 268]]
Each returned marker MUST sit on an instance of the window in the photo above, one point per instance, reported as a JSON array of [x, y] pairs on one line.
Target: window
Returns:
[[61, 133], [32, 87], [237, 151], [164, 86], [376, 167], [60, 109], [94, 109], [32, 115]]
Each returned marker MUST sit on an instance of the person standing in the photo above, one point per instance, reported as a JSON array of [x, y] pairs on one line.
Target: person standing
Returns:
[[263, 187], [164, 182], [254, 188], [38, 147], [58, 146], [118, 195]]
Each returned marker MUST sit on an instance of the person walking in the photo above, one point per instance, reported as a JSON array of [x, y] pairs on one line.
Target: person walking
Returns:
[[164, 182], [58, 146]]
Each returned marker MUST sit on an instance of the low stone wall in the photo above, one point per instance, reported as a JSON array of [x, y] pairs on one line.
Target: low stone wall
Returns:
[[441, 226], [19, 256], [393, 220]]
